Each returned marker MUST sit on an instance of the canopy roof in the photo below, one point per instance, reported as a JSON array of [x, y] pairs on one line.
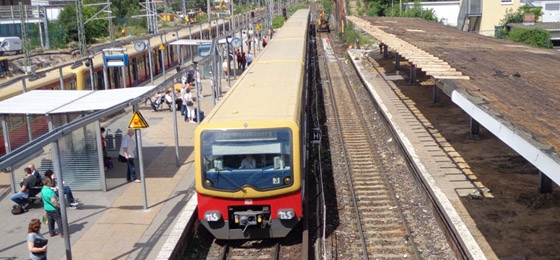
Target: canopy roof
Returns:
[[192, 42], [67, 101]]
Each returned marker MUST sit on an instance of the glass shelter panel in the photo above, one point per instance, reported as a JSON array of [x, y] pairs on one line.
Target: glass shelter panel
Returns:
[[79, 159], [268, 152]]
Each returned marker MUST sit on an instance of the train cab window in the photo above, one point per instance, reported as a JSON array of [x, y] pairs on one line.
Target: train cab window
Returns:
[[224, 151]]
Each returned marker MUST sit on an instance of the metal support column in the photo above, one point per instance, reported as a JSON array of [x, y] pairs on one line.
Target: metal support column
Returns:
[[150, 62], [385, 51], [475, 127], [545, 183], [437, 95], [412, 74]]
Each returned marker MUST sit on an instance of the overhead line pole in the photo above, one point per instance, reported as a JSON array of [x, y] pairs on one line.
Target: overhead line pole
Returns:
[[81, 30]]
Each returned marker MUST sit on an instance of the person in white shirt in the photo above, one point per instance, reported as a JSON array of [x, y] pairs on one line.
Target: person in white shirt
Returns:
[[128, 150], [248, 163]]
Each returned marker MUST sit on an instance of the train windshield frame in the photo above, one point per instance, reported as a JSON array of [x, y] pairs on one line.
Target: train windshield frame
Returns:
[[223, 152]]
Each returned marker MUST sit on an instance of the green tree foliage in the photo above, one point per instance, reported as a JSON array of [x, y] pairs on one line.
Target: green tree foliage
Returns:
[[517, 16], [327, 5], [417, 11], [535, 37], [374, 8], [392, 9], [68, 21]]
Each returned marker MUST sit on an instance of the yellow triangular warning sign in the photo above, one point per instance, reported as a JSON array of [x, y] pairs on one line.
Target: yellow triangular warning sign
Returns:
[[138, 121]]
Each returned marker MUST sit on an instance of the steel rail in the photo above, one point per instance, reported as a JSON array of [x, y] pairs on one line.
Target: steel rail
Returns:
[[347, 164], [447, 226], [382, 168]]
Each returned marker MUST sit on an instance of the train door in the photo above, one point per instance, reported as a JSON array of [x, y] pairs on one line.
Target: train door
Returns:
[[129, 76], [135, 71], [156, 61], [142, 70], [160, 64], [172, 56], [116, 79], [99, 81]]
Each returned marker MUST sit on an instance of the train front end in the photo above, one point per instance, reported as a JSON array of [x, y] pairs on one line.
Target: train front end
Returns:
[[263, 200]]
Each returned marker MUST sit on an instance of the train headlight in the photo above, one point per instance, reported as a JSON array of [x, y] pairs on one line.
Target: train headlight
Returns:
[[286, 214], [208, 183], [259, 218], [287, 180], [236, 219]]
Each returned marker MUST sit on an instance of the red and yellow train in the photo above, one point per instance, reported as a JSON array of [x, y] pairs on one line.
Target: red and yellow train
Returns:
[[263, 115]]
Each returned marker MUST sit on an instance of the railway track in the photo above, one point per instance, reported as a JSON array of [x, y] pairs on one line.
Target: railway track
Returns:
[[377, 220], [252, 249]]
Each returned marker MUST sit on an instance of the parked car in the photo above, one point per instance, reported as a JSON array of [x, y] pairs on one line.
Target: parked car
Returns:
[[10, 45]]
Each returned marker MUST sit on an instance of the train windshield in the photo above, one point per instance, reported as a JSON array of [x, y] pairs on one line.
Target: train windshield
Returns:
[[234, 159]]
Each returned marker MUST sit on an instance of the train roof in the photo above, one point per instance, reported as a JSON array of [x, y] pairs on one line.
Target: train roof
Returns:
[[271, 88], [17, 87]]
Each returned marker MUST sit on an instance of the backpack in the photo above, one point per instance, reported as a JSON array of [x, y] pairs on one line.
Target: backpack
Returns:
[[17, 209]]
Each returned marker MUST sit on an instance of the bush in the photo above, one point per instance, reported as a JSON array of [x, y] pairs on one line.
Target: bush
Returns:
[[535, 37], [278, 21]]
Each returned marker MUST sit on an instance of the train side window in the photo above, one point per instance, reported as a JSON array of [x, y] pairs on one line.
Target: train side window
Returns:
[[70, 85]]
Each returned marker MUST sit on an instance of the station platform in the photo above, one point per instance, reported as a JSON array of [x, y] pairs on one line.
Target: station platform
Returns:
[[114, 224]]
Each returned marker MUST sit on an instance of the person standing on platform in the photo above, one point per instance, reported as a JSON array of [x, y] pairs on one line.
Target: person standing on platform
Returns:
[[238, 58], [128, 150], [199, 83], [225, 68], [182, 97], [249, 58], [187, 100], [264, 41], [248, 42], [243, 61], [36, 242], [52, 207]]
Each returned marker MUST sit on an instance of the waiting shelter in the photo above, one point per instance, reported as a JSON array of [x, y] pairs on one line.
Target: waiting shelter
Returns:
[[33, 121]]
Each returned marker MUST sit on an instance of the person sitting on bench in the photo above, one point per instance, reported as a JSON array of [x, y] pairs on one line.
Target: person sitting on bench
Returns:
[[22, 197], [73, 204]]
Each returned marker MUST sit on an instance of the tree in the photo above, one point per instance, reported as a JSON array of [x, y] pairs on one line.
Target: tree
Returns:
[[535, 37], [517, 16], [69, 22], [388, 8]]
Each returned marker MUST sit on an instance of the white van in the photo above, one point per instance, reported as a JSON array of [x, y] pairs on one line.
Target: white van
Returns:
[[10, 44]]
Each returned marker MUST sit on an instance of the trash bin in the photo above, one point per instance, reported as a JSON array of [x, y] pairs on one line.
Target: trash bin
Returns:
[[109, 141], [118, 139]]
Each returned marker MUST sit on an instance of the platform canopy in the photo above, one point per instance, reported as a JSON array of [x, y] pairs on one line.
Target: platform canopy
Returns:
[[68, 101], [192, 42]]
